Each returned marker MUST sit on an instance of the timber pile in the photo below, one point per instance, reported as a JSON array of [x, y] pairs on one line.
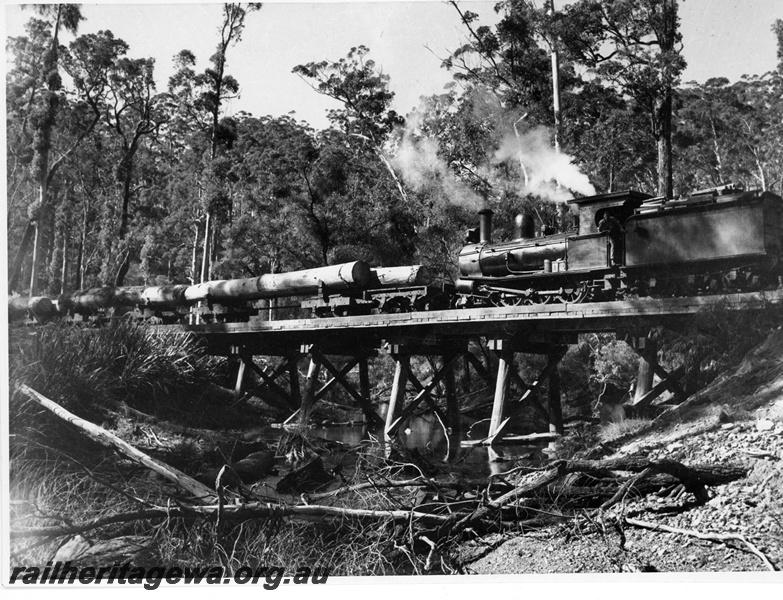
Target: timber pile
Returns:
[[432, 511]]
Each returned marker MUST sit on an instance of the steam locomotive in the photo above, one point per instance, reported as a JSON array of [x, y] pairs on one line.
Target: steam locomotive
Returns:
[[715, 241]]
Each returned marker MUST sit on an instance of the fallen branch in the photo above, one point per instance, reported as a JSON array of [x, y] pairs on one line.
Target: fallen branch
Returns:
[[197, 489], [234, 513], [712, 537], [694, 478], [418, 482], [625, 488]]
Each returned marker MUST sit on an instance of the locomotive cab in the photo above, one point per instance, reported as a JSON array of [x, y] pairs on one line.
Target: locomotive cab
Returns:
[[590, 248]]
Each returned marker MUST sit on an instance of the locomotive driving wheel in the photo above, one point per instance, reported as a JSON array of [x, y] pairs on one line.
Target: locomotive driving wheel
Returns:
[[509, 300], [572, 295]]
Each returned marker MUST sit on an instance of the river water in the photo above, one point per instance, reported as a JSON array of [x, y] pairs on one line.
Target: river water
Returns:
[[427, 435]]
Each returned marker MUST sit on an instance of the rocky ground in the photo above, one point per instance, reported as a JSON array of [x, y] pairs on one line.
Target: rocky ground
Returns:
[[736, 420]]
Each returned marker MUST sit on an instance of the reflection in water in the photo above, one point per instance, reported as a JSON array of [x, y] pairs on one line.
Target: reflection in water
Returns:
[[426, 434]]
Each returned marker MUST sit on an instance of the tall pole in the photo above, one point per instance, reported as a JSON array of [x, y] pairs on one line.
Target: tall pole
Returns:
[[555, 82]]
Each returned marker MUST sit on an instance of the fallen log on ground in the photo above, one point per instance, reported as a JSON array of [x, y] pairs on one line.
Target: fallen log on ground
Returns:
[[694, 479], [197, 489], [237, 513]]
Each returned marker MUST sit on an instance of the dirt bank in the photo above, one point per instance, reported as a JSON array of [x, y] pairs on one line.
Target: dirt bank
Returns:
[[738, 419]]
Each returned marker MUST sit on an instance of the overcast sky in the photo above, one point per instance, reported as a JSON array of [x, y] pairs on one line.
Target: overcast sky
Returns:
[[406, 39]]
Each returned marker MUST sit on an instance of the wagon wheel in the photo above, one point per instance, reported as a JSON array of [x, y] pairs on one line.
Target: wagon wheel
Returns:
[[641, 288], [715, 284], [686, 289], [664, 288], [397, 305]]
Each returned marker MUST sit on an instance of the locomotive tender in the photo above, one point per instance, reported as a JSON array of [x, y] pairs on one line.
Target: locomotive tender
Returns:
[[716, 241]]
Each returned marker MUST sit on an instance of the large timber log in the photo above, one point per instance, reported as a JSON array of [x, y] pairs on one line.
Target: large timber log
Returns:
[[95, 299], [164, 296], [390, 277], [332, 279], [39, 308], [298, 283]]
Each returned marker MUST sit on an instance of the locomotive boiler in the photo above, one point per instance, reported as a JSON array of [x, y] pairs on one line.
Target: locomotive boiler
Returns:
[[718, 240]]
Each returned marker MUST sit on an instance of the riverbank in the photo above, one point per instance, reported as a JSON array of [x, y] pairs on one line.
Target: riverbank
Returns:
[[736, 420]]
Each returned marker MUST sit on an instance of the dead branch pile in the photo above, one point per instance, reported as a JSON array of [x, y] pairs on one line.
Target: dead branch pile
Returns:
[[437, 510]]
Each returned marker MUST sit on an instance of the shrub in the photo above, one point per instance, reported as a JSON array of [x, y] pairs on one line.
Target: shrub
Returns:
[[122, 362]]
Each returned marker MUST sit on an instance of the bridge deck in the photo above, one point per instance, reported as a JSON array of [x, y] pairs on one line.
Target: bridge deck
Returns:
[[264, 337]]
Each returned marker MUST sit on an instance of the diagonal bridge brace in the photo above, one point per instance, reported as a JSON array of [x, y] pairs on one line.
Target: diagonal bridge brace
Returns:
[[424, 392], [268, 379], [648, 353], [339, 376]]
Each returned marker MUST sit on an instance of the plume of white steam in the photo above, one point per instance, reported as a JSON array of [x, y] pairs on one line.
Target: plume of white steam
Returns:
[[546, 173], [549, 174], [418, 162]]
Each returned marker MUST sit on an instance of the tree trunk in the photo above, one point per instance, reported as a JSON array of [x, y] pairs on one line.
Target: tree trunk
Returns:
[[205, 254], [663, 117], [122, 271], [64, 270], [716, 151], [37, 260], [126, 194], [16, 269], [194, 258], [80, 259], [213, 246]]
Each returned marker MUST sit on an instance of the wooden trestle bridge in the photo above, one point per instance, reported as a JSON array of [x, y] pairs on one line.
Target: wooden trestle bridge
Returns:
[[444, 337]]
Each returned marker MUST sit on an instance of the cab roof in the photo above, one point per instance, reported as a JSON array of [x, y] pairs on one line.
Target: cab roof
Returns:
[[611, 198]]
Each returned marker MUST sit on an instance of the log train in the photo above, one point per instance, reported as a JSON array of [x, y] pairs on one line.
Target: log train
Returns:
[[715, 241]]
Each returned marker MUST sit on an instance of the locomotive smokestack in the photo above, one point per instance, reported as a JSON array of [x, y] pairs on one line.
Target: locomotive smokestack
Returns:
[[485, 225], [524, 228]]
